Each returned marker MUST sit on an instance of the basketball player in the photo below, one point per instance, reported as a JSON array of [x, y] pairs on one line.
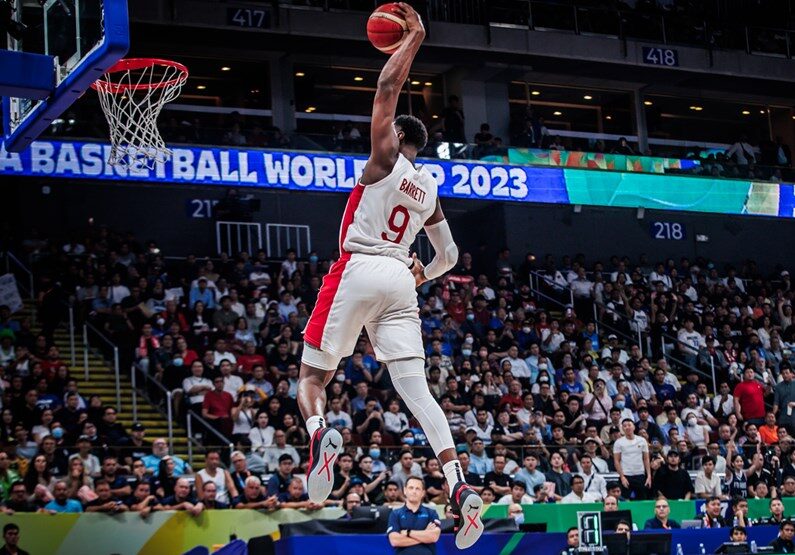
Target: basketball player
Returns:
[[373, 284]]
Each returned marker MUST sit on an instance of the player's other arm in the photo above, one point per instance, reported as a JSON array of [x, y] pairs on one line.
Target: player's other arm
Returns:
[[440, 236], [383, 140]]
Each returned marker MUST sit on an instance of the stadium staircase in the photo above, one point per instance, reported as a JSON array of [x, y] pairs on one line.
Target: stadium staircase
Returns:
[[102, 382]]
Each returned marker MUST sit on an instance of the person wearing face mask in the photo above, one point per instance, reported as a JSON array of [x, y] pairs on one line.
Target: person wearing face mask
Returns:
[[466, 347], [375, 454]]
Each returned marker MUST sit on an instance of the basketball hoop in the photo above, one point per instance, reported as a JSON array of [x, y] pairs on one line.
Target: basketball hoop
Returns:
[[132, 93]]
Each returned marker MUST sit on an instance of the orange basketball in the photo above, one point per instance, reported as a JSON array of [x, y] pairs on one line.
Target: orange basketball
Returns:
[[386, 28]]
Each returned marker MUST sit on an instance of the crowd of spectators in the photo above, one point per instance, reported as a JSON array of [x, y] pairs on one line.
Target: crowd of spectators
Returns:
[[546, 405]]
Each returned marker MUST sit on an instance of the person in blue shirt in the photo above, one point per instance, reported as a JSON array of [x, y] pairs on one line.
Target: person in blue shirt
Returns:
[[62, 503], [160, 451], [202, 293], [413, 528]]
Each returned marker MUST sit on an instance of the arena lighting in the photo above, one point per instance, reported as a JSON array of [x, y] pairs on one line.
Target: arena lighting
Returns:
[[358, 78], [556, 113], [415, 82], [226, 68], [696, 108], [587, 97], [535, 93], [437, 117], [647, 102], [746, 112], [310, 109], [299, 73], [608, 117], [201, 87], [428, 84], [761, 111]]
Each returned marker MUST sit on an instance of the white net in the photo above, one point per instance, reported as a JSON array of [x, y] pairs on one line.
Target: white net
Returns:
[[132, 95]]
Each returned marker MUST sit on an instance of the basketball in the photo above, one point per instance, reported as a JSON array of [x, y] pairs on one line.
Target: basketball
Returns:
[[386, 28]]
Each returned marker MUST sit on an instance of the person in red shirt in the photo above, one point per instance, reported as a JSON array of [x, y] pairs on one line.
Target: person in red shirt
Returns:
[[749, 398], [217, 407], [249, 359], [512, 399]]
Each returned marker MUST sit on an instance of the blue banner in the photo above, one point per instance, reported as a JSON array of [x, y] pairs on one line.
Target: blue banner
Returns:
[[327, 172], [298, 171]]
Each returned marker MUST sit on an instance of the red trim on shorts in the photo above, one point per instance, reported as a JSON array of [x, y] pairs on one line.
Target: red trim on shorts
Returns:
[[313, 334]]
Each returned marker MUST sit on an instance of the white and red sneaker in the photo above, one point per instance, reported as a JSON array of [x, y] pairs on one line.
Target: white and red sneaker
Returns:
[[324, 447], [467, 508]]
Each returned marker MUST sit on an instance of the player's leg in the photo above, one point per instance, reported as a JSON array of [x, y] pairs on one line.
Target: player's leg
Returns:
[[397, 340], [325, 444], [331, 332], [408, 378]]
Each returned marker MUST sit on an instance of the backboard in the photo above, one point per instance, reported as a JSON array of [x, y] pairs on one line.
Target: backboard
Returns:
[[56, 49]]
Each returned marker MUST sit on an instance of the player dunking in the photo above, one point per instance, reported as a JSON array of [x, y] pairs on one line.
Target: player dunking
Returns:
[[373, 285]]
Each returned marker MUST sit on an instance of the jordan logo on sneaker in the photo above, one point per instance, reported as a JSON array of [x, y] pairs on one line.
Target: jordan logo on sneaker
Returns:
[[472, 507], [330, 444]]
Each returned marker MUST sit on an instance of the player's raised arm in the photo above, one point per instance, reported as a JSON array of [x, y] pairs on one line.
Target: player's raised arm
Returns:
[[384, 141]]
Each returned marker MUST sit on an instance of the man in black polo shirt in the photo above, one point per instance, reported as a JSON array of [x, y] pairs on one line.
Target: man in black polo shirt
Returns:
[[414, 529], [672, 481]]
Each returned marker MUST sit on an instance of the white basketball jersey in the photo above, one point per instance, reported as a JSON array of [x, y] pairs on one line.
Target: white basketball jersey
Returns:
[[385, 217]]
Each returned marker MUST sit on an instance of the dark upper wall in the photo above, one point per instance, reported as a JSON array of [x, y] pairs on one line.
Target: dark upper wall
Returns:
[[160, 212]]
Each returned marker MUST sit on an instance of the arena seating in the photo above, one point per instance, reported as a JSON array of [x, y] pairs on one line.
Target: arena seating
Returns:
[[512, 361]]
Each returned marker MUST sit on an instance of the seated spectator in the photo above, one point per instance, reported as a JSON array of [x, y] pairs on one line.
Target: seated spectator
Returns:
[[713, 517], [142, 501], [776, 516], [351, 501], [558, 476], [595, 484], [707, 483], [18, 501], [119, 486], [210, 497], [578, 493], [518, 495], [661, 521], [159, 451], [392, 495], [336, 417], [61, 503], [280, 480], [253, 497], [296, 498], [78, 478], [105, 501], [279, 448], [183, 499]]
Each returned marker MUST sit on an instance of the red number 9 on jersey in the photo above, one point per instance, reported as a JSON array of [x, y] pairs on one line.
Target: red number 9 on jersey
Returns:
[[397, 228]]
